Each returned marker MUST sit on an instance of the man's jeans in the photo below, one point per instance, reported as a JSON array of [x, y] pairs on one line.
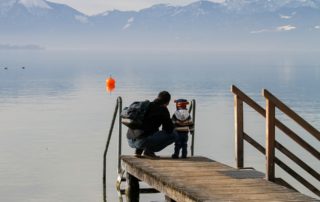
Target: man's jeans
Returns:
[[155, 142]]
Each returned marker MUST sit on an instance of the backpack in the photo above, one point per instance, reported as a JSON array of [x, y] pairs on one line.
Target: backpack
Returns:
[[133, 116]]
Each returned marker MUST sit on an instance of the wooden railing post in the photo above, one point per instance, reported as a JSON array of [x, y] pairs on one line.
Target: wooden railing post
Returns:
[[272, 103], [270, 140], [238, 114]]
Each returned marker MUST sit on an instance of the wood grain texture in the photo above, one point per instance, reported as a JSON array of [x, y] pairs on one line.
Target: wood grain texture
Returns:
[[202, 179]]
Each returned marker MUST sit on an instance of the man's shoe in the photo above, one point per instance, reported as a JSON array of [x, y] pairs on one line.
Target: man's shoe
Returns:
[[150, 155], [174, 156], [138, 152]]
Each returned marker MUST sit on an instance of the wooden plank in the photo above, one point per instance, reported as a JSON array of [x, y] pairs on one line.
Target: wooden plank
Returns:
[[284, 183], [250, 193], [165, 186], [200, 183], [257, 196]]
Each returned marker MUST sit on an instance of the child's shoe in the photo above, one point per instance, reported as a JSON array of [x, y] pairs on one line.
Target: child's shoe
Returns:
[[174, 156]]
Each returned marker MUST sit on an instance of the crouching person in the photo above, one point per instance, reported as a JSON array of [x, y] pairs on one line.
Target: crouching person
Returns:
[[149, 139]]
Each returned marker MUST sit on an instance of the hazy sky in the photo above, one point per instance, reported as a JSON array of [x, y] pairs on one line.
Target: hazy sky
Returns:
[[97, 6]]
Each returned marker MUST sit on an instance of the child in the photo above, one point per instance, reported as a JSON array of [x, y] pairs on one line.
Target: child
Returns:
[[183, 124]]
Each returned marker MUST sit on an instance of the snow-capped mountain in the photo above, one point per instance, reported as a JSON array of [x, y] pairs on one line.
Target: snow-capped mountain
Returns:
[[202, 22], [249, 14], [28, 15], [34, 4], [269, 5]]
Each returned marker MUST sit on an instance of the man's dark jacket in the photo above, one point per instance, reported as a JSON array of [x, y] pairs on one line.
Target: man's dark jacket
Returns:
[[156, 116]]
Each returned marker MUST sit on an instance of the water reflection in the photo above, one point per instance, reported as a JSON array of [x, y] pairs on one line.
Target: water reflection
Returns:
[[56, 113], [33, 83]]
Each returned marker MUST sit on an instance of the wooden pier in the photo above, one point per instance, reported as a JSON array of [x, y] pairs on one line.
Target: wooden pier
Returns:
[[202, 179]]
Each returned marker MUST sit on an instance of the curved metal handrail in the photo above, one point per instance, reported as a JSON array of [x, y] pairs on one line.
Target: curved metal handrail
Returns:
[[193, 110], [117, 107]]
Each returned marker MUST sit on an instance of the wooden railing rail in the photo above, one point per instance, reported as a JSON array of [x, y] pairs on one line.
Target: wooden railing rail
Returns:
[[239, 98], [239, 95], [285, 109], [248, 100], [286, 152], [297, 160], [254, 143], [271, 104], [271, 122], [282, 165], [297, 139], [296, 176]]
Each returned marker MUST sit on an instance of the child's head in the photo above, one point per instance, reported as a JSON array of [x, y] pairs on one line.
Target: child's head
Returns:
[[181, 103]]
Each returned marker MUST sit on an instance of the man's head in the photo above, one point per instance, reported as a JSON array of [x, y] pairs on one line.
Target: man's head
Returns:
[[164, 97]]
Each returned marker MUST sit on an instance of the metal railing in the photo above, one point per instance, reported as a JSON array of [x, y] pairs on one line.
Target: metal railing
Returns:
[[192, 109], [118, 107], [271, 122], [117, 112]]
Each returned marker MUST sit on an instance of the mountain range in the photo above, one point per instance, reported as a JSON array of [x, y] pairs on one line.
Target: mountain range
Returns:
[[231, 25]]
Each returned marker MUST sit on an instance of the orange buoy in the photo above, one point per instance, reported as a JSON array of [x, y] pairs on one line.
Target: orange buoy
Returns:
[[110, 84]]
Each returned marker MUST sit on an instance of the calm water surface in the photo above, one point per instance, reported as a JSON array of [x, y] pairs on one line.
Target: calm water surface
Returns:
[[55, 113]]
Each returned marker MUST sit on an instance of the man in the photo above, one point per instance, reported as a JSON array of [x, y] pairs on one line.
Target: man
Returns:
[[153, 140]]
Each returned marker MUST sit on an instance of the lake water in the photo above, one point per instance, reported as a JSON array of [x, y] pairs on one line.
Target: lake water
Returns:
[[55, 113]]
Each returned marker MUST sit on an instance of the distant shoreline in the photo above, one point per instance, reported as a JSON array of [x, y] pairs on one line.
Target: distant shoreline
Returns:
[[21, 47]]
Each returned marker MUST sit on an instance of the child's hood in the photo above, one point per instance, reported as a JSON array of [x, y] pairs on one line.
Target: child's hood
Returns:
[[182, 114]]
